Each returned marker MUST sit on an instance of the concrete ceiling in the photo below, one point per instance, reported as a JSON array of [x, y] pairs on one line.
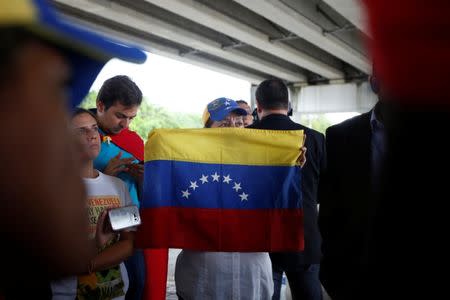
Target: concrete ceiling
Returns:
[[300, 41]]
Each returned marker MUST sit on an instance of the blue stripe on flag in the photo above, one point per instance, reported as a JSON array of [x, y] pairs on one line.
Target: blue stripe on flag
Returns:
[[202, 185]]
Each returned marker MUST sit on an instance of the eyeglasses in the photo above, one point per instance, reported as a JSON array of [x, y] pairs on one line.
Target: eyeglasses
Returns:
[[85, 131], [237, 121]]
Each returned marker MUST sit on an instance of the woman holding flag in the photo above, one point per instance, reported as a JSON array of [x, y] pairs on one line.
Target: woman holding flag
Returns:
[[223, 275]]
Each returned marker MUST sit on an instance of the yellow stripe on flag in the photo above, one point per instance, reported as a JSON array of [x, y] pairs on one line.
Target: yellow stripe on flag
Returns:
[[16, 12], [239, 146]]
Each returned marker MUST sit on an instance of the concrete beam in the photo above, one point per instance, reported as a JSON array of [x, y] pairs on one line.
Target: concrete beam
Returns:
[[131, 18], [172, 53], [352, 10], [281, 14], [215, 20]]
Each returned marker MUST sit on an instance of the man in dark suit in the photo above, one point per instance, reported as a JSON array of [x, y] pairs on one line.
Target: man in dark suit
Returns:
[[302, 268], [344, 191], [355, 153]]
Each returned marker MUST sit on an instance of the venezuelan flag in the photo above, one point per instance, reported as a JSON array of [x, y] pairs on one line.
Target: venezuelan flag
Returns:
[[222, 189]]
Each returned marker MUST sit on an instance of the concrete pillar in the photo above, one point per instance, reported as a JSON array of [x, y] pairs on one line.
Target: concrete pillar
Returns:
[[252, 96], [349, 97], [294, 96]]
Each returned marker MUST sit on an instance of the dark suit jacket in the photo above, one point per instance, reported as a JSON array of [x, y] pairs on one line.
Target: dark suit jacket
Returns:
[[345, 204], [315, 164]]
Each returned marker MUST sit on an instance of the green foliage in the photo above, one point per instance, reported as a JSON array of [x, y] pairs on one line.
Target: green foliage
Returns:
[[317, 122], [151, 116], [89, 100]]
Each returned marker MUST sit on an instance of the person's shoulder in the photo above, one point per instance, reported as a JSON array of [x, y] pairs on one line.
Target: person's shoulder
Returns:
[[132, 134], [117, 186], [357, 122], [113, 180], [309, 131], [254, 125]]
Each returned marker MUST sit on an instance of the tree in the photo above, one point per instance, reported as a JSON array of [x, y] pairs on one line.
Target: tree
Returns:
[[317, 122], [89, 101], [151, 116]]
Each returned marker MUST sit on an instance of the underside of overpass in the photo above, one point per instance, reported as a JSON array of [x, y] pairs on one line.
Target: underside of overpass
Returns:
[[315, 45]]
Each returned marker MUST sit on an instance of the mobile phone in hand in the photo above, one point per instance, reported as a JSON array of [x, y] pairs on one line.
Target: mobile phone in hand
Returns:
[[124, 217]]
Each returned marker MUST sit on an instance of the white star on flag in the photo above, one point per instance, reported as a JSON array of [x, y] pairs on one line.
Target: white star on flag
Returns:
[[204, 179], [244, 196], [237, 187], [227, 179], [215, 177], [194, 185], [186, 193]]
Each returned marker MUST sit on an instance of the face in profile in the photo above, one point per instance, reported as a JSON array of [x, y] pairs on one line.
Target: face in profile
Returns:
[[231, 120], [36, 86], [86, 130]]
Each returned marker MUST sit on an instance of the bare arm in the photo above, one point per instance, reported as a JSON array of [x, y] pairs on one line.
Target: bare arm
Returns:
[[115, 254]]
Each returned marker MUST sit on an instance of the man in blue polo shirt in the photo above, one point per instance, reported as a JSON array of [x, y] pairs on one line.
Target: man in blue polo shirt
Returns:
[[122, 154], [122, 150], [118, 102]]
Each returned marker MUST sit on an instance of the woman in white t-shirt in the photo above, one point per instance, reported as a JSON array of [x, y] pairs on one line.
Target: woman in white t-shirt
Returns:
[[106, 276]]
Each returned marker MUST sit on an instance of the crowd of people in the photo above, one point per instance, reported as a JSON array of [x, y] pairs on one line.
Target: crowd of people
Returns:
[[364, 173]]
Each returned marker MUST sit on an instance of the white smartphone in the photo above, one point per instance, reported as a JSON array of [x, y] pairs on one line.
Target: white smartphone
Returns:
[[124, 217]]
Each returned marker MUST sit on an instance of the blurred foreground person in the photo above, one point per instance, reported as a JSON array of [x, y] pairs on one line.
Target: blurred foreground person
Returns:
[[47, 65], [407, 248]]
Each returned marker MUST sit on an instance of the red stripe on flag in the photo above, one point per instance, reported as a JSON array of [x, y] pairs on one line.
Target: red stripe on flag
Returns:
[[265, 230], [156, 274]]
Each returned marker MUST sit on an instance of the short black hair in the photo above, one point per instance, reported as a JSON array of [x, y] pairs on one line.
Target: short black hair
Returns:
[[119, 89], [241, 102], [272, 94]]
